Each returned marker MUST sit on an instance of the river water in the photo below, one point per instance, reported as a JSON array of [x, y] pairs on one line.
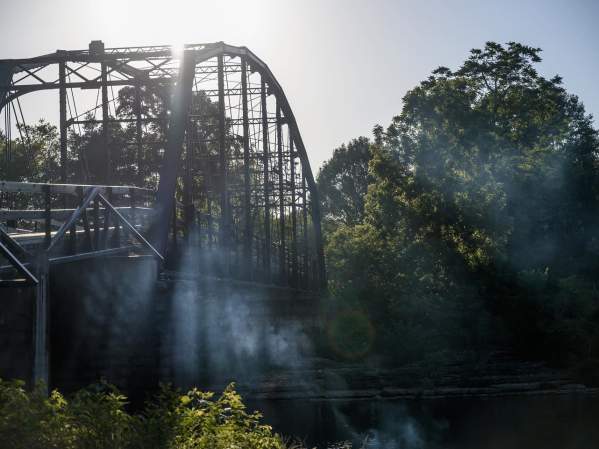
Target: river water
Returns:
[[253, 331], [566, 421]]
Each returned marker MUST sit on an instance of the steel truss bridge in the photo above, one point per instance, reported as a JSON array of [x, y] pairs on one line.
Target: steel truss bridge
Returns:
[[190, 155]]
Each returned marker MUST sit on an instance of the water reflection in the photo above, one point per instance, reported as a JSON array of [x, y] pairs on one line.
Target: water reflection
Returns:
[[557, 421]]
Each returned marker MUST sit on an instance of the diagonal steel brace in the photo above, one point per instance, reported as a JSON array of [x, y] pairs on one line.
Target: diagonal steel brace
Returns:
[[130, 227], [14, 260], [91, 194]]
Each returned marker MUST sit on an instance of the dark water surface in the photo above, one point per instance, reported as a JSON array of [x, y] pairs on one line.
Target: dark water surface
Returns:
[[565, 421]]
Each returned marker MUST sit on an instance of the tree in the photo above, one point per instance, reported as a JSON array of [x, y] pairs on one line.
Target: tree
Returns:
[[343, 182], [34, 157], [506, 158], [486, 178]]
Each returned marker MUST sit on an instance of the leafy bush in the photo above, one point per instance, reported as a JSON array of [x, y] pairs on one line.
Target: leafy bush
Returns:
[[97, 418]]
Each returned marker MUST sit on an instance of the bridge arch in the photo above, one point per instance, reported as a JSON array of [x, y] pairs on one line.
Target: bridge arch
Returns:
[[245, 191]]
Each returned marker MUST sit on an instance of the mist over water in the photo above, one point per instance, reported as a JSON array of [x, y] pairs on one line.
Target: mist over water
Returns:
[[393, 428], [518, 422], [222, 333], [230, 336], [208, 332]]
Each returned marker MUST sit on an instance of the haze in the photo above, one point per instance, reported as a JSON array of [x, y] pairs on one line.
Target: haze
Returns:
[[344, 64]]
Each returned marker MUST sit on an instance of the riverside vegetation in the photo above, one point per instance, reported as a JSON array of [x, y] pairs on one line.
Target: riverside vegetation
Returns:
[[96, 417]]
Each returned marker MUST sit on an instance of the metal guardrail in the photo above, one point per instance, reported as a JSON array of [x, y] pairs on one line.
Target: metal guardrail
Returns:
[[94, 227], [68, 189]]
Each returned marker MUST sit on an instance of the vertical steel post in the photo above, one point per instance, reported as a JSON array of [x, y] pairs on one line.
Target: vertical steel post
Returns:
[[138, 133], [47, 216], [165, 197], [224, 196], [305, 234], [320, 268], [41, 348], [62, 100], [116, 239], [86, 228], [188, 211], [293, 213], [209, 223], [105, 118], [247, 235], [73, 235], [105, 241], [265, 143], [73, 229], [132, 205], [96, 213], [282, 256]]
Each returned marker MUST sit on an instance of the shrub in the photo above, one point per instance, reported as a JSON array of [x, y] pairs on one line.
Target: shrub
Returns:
[[97, 418]]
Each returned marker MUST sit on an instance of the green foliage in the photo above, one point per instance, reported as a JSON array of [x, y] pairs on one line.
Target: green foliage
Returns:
[[97, 418], [479, 225], [343, 182], [35, 157]]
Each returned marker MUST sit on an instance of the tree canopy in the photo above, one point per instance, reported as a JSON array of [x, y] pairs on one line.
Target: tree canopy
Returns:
[[343, 182], [480, 214]]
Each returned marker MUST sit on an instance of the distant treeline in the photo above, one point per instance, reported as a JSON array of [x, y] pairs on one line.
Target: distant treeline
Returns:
[[135, 154]]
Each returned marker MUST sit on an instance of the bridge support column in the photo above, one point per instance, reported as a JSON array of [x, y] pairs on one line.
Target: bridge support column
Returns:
[[305, 253], [41, 357], [247, 237], [189, 210], [63, 121], [267, 237], [105, 126], [293, 214], [165, 197], [282, 250], [138, 134], [224, 231]]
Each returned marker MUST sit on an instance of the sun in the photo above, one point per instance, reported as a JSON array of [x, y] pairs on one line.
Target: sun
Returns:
[[177, 48]]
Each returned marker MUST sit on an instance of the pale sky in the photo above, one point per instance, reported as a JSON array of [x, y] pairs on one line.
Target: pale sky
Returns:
[[344, 64]]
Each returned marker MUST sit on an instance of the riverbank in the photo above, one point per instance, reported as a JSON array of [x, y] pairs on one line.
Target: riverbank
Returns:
[[497, 375]]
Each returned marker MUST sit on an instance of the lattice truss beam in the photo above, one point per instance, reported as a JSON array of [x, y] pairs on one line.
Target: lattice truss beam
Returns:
[[246, 196]]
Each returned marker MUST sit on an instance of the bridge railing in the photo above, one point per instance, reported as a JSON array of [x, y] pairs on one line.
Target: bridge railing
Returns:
[[67, 222], [197, 248]]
